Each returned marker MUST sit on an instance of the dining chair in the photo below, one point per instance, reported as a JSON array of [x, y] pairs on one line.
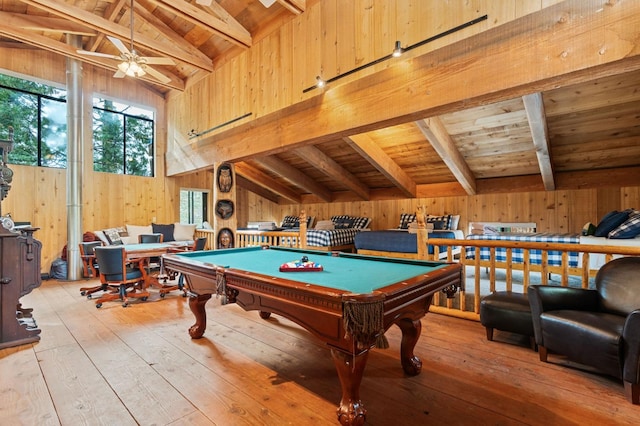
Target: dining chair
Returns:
[[124, 279]]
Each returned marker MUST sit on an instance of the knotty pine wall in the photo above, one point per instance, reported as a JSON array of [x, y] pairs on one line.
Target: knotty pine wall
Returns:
[[38, 194], [323, 41], [553, 211]]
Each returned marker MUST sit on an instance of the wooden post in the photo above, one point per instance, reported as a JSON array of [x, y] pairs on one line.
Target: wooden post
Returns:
[[225, 220], [422, 234], [303, 230]]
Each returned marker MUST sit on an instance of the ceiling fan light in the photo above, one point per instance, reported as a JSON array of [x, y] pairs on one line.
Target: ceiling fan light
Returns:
[[267, 3], [131, 68]]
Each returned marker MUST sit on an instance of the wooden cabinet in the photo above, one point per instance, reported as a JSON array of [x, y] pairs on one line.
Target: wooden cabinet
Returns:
[[19, 274]]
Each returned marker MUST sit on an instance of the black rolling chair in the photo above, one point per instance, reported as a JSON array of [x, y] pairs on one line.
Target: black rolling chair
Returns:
[[124, 278]]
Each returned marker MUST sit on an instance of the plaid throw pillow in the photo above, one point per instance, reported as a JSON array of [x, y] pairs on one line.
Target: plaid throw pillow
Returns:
[[406, 219], [360, 222], [628, 229], [290, 222], [442, 222]]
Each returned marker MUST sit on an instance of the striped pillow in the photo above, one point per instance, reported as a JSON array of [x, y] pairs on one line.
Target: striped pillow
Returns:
[[628, 229]]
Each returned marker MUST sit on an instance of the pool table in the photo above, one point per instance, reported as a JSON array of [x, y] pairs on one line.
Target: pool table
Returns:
[[348, 305]]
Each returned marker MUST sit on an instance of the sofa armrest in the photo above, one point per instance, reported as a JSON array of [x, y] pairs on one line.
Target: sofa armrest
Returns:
[[553, 298], [631, 349], [543, 298]]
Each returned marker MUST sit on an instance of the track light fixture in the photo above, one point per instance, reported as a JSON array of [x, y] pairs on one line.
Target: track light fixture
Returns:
[[397, 51]]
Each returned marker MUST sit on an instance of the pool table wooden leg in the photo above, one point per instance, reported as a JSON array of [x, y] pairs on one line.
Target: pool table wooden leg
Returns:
[[350, 369], [411, 330], [196, 304]]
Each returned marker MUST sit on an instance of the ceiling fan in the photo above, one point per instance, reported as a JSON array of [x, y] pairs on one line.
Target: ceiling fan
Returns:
[[131, 63]]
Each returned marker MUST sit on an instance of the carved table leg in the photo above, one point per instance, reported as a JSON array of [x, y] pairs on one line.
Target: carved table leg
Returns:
[[350, 369], [196, 304], [411, 364]]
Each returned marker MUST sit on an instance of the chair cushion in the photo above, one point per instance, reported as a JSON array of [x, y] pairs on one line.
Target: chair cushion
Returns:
[[507, 311], [590, 338]]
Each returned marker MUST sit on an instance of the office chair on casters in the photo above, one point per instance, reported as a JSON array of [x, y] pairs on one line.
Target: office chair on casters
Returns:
[[125, 278], [89, 266]]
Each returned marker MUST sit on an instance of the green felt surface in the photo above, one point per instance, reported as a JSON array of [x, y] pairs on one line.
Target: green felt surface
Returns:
[[353, 273]]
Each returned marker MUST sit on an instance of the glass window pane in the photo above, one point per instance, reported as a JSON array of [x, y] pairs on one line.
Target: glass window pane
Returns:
[[20, 110], [54, 134], [139, 147], [108, 142]]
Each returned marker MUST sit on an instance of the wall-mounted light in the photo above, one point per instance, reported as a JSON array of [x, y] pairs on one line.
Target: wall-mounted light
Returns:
[[320, 82], [397, 51]]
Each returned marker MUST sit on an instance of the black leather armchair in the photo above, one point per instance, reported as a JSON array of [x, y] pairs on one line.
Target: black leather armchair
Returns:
[[599, 328]]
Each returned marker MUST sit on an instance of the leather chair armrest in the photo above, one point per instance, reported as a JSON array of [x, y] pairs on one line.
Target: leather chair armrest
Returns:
[[631, 349], [553, 298], [544, 298]]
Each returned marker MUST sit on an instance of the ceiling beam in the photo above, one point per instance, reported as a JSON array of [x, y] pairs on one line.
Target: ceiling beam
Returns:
[[90, 20], [256, 189], [110, 14], [227, 27], [367, 148], [166, 30], [7, 29], [534, 107], [294, 176], [433, 129], [261, 179], [428, 85], [331, 168], [49, 24], [294, 6]]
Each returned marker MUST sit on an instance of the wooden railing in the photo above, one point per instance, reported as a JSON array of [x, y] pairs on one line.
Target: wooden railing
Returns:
[[468, 258], [209, 234], [247, 238]]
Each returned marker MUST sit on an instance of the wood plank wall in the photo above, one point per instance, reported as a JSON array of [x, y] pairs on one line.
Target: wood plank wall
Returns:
[[554, 211], [321, 41], [38, 194], [324, 42]]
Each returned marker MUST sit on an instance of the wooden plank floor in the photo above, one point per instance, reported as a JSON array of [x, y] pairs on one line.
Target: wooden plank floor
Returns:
[[137, 365]]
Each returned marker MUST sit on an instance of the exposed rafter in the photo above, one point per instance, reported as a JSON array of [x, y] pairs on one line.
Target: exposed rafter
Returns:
[[328, 166], [294, 176], [256, 176], [538, 123], [294, 6], [367, 148], [435, 132], [9, 30], [227, 27], [90, 20]]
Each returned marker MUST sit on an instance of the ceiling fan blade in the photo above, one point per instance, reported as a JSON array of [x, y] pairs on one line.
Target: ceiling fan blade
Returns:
[[119, 45], [102, 55], [155, 74], [156, 60]]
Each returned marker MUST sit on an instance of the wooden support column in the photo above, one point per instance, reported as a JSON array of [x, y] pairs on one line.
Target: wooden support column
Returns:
[[225, 217]]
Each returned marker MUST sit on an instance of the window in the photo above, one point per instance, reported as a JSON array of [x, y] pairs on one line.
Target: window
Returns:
[[193, 206], [123, 138], [38, 115]]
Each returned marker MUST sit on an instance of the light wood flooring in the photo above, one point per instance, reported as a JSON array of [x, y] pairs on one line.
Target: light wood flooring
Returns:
[[137, 365]]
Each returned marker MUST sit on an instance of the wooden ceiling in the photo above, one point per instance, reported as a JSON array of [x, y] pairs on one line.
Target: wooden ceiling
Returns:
[[543, 140], [590, 127], [193, 33]]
